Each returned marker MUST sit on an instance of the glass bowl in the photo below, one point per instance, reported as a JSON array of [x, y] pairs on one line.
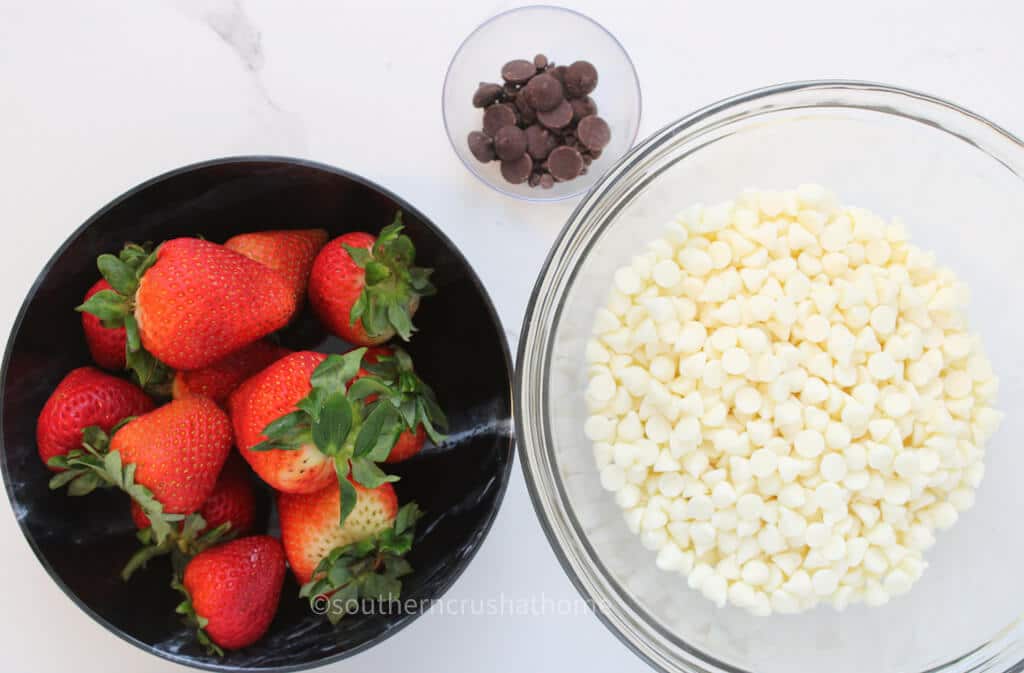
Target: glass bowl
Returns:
[[956, 180], [564, 36]]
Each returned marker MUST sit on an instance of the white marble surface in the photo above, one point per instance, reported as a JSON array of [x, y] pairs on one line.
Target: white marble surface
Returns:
[[98, 96]]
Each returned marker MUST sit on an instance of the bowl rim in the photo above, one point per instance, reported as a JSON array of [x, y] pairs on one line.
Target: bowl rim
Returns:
[[558, 516], [501, 15], [502, 475]]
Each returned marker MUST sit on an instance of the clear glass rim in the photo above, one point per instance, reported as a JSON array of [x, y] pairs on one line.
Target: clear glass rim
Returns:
[[458, 52], [1004, 652]]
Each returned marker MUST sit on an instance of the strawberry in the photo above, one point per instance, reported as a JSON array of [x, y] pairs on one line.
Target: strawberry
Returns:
[[362, 559], [217, 380], [411, 404], [261, 400], [232, 591], [365, 289], [310, 528], [232, 501], [178, 451], [309, 418], [290, 252], [106, 344], [85, 397], [189, 303]]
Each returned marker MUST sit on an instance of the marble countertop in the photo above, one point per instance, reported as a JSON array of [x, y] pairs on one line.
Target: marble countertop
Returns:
[[96, 97]]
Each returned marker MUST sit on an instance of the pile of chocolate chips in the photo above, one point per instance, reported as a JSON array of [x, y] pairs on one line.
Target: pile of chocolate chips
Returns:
[[542, 124]]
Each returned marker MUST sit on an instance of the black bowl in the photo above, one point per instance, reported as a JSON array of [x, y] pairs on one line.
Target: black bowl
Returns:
[[460, 350]]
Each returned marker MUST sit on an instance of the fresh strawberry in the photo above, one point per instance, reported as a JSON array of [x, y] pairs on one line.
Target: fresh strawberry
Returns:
[[232, 501], [406, 401], [365, 289], [219, 379], [178, 451], [310, 528], [85, 397], [269, 395], [106, 344], [232, 591], [364, 559], [290, 252], [189, 303]]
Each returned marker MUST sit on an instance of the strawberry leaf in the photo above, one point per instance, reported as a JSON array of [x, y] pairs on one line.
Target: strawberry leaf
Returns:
[[119, 274], [334, 373], [107, 305], [334, 424], [393, 379], [367, 473], [379, 433], [392, 284], [348, 491]]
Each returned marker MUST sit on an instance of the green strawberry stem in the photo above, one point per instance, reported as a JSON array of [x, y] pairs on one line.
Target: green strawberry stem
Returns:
[[116, 308], [370, 569], [182, 544], [392, 285], [194, 620], [95, 466]]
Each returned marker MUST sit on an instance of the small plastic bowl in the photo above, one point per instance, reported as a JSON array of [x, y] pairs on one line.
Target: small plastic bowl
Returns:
[[564, 36]]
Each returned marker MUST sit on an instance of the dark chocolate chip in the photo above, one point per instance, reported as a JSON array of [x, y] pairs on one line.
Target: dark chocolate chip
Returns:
[[580, 79], [509, 143], [540, 61], [527, 115], [557, 118], [544, 92], [558, 73], [486, 94], [509, 92], [534, 179], [540, 142], [587, 159], [518, 71], [565, 163], [481, 147], [517, 170], [498, 115], [596, 154], [593, 132], [546, 181], [582, 107]]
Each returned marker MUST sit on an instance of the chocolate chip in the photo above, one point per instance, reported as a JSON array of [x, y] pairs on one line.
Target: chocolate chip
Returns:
[[518, 71], [587, 159], [509, 143], [546, 181], [534, 179], [540, 142], [580, 79], [544, 92], [593, 132], [565, 163], [517, 170], [498, 115], [481, 147], [558, 73], [527, 115], [596, 154], [558, 117], [486, 94], [540, 61], [582, 107], [509, 92]]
